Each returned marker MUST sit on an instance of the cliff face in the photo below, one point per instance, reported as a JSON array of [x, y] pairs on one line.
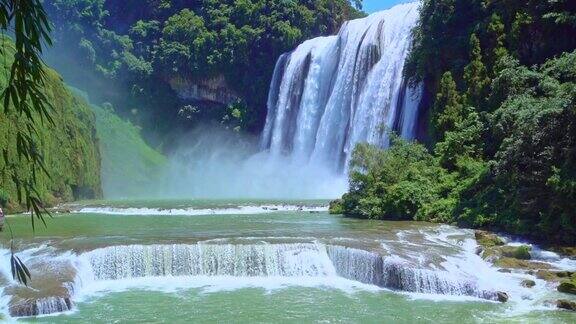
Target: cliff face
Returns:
[[214, 90], [69, 146]]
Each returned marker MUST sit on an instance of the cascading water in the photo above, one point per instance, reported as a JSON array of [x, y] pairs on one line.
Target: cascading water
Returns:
[[271, 260], [333, 92], [61, 279]]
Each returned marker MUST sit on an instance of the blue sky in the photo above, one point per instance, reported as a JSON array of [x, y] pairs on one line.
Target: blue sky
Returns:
[[377, 5]]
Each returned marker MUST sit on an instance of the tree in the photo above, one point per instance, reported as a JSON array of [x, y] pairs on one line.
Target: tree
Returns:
[[498, 37], [475, 75], [24, 94], [448, 106]]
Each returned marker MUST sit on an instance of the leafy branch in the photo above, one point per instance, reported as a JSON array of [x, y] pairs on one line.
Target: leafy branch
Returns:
[[27, 21]]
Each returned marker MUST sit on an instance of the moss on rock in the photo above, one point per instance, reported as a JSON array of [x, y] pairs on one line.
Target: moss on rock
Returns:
[[550, 275], [527, 283], [513, 263], [487, 239], [567, 286], [517, 252], [566, 304]]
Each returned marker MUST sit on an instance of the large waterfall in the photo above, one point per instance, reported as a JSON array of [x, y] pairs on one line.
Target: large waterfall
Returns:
[[333, 92]]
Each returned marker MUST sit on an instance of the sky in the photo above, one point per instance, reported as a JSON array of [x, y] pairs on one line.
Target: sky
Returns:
[[371, 6]]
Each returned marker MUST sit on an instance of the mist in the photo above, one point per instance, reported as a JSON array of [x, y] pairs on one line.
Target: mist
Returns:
[[214, 163]]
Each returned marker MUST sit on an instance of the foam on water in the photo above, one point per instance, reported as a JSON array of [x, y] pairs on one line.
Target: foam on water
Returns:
[[217, 265], [239, 210]]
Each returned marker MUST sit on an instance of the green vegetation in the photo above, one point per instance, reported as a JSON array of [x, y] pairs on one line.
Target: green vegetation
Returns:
[[145, 49], [130, 168], [502, 147], [68, 145], [25, 103]]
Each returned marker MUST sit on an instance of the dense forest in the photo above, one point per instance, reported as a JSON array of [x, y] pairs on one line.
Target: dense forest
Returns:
[[500, 101], [168, 64], [500, 78]]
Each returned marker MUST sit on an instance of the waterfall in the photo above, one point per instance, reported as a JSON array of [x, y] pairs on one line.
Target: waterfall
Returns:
[[274, 260], [307, 262], [283, 260], [333, 92]]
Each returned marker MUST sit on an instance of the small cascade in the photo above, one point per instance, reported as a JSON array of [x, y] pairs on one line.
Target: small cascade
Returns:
[[358, 265], [309, 261], [43, 306], [275, 260], [333, 92], [401, 276], [394, 273], [264, 260]]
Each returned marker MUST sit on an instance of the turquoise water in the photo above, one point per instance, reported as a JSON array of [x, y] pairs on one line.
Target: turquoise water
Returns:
[[287, 296]]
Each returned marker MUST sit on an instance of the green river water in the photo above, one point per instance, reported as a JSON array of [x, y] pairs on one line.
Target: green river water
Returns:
[[229, 296]]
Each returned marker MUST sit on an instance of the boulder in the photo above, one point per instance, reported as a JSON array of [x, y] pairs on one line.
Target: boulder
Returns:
[[568, 287], [487, 239], [527, 283], [517, 252], [502, 296], [549, 275], [566, 304], [514, 263]]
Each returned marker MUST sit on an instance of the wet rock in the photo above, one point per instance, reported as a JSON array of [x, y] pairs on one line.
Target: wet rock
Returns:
[[550, 275], [566, 304], [502, 296], [42, 306], [514, 263], [487, 239], [568, 287], [527, 283], [479, 250], [505, 270], [517, 252]]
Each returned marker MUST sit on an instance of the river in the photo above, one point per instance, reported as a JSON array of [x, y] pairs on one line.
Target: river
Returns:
[[259, 261]]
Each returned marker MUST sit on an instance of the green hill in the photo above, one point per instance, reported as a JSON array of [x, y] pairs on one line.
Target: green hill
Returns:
[[69, 147], [129, 166]]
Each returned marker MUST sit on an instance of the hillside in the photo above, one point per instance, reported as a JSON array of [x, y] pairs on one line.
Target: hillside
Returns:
[[69, 147], [130, 167]]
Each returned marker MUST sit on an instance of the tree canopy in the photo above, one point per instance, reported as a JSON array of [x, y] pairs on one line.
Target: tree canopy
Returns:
[[502, 136], [144, 47]]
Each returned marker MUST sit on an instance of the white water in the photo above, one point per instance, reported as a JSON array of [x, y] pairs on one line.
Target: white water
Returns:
[[240, 210], [311, 262], [215, 164], [217, 267], [333, 92]]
